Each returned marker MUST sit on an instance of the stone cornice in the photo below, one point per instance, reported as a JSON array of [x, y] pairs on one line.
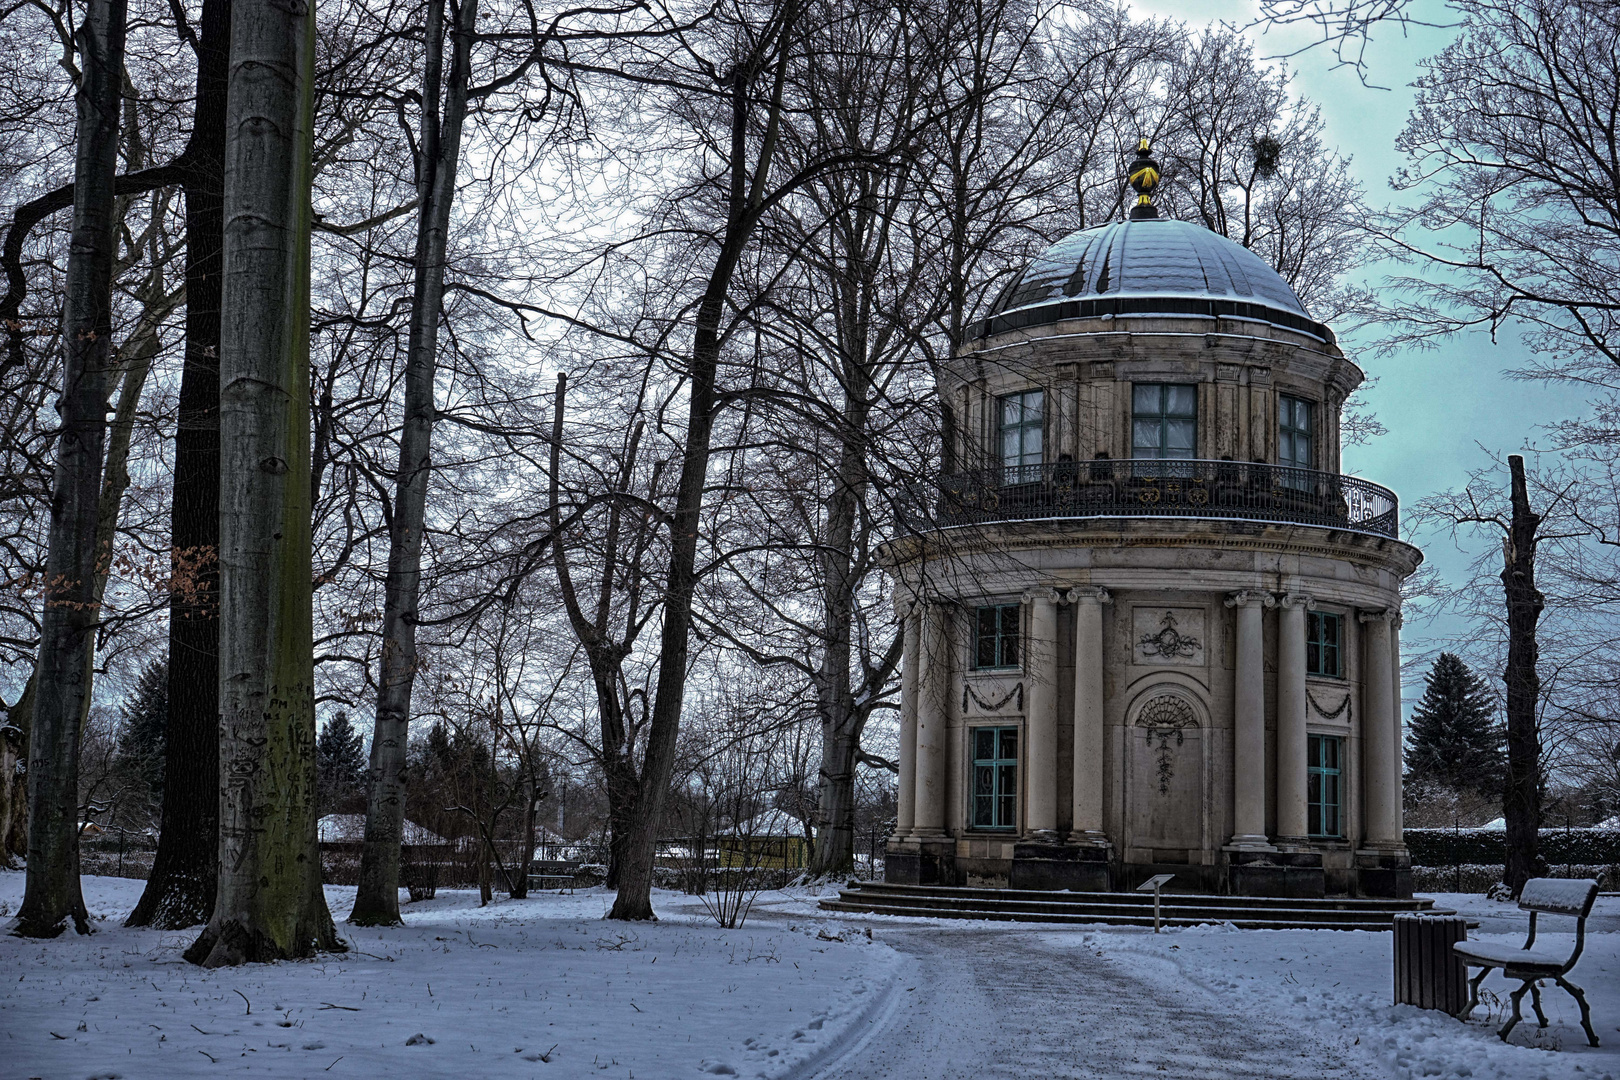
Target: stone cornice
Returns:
[[1010, 537]]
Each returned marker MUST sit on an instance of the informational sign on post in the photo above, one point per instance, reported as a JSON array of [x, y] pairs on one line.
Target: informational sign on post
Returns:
[[1153, 885]]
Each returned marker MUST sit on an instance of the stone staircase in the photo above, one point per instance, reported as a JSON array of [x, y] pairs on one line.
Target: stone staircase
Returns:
[[1120, 909]]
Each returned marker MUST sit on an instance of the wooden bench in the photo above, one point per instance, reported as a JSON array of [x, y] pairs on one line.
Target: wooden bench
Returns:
[[1540, 896]]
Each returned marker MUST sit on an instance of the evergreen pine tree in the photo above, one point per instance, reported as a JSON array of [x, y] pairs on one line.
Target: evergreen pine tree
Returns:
[[1453, 740], [141, 737], [340, 763]]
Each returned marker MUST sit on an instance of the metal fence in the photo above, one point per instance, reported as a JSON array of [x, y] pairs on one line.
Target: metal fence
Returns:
[[1168, 488]]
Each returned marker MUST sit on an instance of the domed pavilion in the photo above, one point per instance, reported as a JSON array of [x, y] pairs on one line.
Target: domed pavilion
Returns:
[[1154, 629]]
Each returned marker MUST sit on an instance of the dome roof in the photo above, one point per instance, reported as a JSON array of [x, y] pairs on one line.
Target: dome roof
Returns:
[[1151, 266]]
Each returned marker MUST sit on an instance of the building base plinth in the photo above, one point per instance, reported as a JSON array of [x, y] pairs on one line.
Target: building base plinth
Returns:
[[928, 861], [1044, 865], [1385, 874], [1295, 875]]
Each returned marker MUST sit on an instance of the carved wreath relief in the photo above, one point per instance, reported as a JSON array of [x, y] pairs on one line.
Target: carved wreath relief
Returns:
[[1166, 717], [1169, 636]]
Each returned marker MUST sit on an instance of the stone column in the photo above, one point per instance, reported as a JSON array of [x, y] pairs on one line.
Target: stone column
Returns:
[[1249, 722], [910, 666], [1381, 782], [1088, 715], [1399, 715], [933, 711], [1292, 823], [1040, 701]]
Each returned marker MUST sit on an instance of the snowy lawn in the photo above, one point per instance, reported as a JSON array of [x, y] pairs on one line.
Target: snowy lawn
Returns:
[[1335, 987], [529, 988]]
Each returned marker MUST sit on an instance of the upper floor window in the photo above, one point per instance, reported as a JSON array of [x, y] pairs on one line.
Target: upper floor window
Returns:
[[1021, 423], [995, 637], [1323, 636], [1294, 432], [1164, 421]]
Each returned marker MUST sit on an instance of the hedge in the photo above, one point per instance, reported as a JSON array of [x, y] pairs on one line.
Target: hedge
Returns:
[[1447, 847], [1475, 878]]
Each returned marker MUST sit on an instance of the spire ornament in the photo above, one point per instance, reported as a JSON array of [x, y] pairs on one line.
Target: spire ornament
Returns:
[[1144, 178]]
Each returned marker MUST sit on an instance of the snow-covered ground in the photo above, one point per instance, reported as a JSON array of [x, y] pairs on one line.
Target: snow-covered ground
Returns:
[[1333, 988], [530, 988], [546, 988]]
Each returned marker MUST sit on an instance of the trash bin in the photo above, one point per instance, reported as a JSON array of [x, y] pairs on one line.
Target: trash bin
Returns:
[[1428, 973]]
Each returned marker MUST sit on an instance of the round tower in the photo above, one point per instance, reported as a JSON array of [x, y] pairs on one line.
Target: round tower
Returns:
[[1155, 629]]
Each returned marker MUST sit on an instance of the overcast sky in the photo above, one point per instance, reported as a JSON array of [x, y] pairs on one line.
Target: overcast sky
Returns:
[[1441, 406]]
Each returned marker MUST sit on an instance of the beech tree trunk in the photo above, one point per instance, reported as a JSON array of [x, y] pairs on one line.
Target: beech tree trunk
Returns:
[[1522, 796], [269, 904], [180, 890], [377, 901], [14, 781], [51, 895]]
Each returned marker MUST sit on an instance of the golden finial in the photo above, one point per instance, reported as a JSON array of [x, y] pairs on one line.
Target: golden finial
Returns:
[[1144, 177]]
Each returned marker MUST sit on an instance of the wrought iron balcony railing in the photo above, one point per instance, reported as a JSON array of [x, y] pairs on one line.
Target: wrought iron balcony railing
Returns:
[[1172, 488]]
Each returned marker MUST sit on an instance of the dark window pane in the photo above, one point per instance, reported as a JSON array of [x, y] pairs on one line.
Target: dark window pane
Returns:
[[984, 744], [1009, 779], [1313, 822], [982, 808], [984, 780], [1009, 743], [1330, 629]]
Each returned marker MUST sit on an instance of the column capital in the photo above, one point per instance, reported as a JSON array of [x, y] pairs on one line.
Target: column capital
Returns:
[[1095, 593], [1031, 595], [1244, 597], [1296, 600], [1389, 615]]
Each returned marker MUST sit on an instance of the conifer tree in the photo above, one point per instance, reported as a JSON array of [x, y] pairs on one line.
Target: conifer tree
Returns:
[[340, 762], [1454, 740], [141, 740]]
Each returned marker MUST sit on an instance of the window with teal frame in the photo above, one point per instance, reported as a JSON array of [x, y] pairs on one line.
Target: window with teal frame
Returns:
[[1164, 421], [1324, 635], [1294, 440], [1324, 791], [995, 777], [995, 637], [1021, 424]]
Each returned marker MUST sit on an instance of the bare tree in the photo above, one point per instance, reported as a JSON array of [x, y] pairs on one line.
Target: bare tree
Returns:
[[67, 632], [269, 903]]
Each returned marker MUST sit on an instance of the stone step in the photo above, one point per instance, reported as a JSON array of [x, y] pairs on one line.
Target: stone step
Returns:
[[1181, 920], [1167, 899], [1120, 909]]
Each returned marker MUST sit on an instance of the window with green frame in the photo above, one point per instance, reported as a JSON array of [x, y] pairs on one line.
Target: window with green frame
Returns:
[[1324, 796], [1164, 421], [1021, 424], [995, 777], [995, 637], [1324, 634], [1294, 432]]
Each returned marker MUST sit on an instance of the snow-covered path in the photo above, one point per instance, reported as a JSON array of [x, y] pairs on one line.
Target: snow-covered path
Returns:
[[1002, 1002]]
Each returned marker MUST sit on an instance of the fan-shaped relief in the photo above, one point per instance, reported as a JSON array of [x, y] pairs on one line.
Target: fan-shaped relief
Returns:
[[1167, 717]]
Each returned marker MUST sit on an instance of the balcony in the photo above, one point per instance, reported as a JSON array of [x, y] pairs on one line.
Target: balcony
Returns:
[[1178, 488]]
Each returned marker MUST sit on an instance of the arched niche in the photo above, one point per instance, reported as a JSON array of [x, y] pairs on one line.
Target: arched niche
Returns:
[[1166, 760]]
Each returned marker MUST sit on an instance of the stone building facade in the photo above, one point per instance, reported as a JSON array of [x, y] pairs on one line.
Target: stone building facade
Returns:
[[1153, 629]]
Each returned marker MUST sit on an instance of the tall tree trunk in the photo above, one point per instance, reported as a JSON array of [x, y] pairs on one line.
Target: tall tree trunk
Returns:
[[1522, 797], [269, 904], [746, 191], [14, 781], [67, 632], [180, 890], [841, 721], [376, 903]]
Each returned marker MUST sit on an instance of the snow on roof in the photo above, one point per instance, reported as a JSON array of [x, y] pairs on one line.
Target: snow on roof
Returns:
[[770, 823], [1498, 825], [351, 829]]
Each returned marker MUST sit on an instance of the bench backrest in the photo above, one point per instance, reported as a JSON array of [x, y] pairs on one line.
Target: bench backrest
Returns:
[[1559, 896]]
